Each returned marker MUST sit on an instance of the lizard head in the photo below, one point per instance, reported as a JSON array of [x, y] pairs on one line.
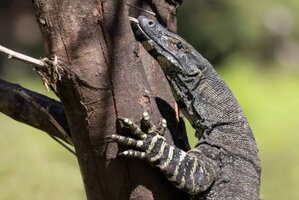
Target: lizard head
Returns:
[[174, 54], [200, 93]]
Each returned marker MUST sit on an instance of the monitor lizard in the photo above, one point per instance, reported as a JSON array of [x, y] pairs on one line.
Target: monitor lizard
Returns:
[[224, 164]]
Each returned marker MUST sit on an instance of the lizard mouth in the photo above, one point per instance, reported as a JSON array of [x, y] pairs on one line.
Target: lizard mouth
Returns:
[[142, 36], [143, 31]]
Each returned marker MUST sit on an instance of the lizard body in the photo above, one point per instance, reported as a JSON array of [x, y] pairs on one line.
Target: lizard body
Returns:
[[224, 164]]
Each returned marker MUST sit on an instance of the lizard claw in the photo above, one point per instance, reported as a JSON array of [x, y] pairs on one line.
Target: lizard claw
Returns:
[[162, 125], [146, 124], [148, 127]]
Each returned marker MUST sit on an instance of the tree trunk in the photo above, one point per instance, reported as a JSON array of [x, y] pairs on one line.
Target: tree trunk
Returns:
[[102, 73]]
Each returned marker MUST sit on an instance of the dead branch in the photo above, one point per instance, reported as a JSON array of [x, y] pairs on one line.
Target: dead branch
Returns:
[[27, 59], [34, 109]]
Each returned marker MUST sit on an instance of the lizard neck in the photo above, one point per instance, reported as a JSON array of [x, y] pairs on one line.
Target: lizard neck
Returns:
[[202, 96], [199, 98]]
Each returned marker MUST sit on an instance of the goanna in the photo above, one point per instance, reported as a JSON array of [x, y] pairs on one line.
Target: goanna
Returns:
[[224, 164]]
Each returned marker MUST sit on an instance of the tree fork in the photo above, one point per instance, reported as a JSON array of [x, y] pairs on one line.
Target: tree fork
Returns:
[[105, 73]]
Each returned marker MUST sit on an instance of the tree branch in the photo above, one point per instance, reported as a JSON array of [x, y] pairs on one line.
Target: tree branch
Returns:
[[13, 54], [34, 109]]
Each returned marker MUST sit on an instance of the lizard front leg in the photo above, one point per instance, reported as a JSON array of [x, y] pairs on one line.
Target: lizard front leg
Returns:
[[190, 171]]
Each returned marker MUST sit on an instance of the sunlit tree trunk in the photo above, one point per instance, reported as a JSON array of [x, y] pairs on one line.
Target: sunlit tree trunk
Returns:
[[101, 72]]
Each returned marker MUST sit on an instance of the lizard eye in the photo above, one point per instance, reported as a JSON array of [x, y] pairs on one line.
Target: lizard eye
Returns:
[[151, 23], [179, 45]]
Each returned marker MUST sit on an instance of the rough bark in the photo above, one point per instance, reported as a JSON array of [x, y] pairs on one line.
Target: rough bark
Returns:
[[104, 73]]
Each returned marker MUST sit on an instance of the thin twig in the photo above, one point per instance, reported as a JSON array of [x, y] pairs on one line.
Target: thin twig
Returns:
[[63, 145], [15, 55]]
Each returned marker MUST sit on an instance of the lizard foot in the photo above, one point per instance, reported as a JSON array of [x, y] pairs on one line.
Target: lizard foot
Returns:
[[147, 143], [148, 139]]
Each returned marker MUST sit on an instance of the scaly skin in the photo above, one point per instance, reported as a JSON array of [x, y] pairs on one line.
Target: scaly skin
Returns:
[[225, 163]]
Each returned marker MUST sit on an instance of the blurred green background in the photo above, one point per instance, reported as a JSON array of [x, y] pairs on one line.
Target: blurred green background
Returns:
[[254, 45]]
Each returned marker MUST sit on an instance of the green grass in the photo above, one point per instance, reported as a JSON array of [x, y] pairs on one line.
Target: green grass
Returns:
[[32, 166], [35, 167]]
